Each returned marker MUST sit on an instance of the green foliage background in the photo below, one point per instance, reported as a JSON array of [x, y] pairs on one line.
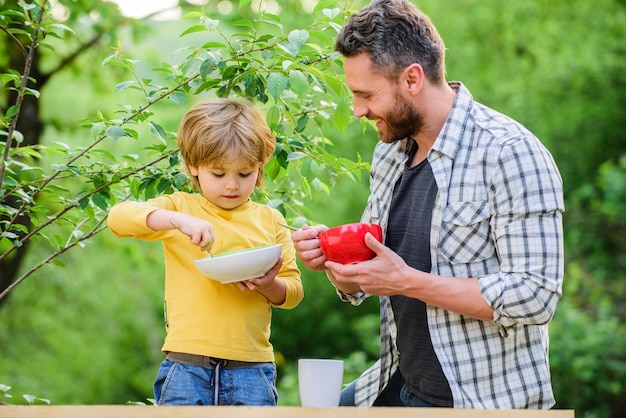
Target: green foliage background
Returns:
[[90, 333]]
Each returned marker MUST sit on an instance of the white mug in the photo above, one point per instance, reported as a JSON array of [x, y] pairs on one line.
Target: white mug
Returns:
[[320, 382]]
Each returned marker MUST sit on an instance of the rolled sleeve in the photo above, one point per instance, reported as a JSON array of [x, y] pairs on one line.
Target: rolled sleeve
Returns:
[[354, 298], [527, 228]]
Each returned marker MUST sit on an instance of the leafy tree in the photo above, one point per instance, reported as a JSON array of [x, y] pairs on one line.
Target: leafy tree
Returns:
[[297, 81], [57, 195], [30, 58]]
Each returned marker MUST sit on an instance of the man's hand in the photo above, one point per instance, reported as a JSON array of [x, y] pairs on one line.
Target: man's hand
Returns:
[[379, 276], [308, 247]]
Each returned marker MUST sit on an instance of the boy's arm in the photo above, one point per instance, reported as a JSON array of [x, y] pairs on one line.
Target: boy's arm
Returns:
[[199, 231], [128, 219]]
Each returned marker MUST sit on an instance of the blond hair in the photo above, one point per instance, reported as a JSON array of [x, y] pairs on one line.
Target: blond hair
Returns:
[[218, 131]]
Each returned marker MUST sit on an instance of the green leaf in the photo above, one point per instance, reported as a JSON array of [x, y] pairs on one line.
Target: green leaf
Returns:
[[207, 67], [18, 137], [273, 117], [130, 157], [9, 235], [302, 122], [272, 20], [135, 188], [230, 71], [195, 15], [180, 180], [335, 83], [158, 131], [211, 24], [281, 158], [276, 84], [99, 201], [105, 153], [323, 4], [31, 92], [106, 60], [163, 185], [331, 13], [298, 83], [213, 44], [296, 156], [116, 132], [243, 23], [343, 115], [124, 85], [178, 97], [116, 63], [298, 37], [62, 28], [272, 168], [57, 190], [194, 29], [12, 111], [83, 203], [58, 263]]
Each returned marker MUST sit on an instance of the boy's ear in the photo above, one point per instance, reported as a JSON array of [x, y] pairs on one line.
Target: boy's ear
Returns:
[[193, 171]]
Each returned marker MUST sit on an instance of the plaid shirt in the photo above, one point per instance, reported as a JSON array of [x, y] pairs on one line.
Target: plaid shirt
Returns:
[[498, 217]]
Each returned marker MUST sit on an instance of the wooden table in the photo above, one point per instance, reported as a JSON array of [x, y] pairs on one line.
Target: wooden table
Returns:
[[139, 411]]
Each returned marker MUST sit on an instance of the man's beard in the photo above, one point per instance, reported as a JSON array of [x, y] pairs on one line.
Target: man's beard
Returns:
[[404, 120]]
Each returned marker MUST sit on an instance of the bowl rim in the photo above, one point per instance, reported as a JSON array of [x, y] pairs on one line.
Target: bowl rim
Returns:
[[236, 252], [223, 257], [339, 227]]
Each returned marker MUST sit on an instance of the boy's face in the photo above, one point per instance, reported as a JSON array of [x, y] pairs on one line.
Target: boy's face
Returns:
[[227, 186]]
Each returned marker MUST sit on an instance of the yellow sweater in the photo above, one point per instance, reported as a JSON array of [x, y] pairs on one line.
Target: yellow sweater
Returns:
[[203, 316]]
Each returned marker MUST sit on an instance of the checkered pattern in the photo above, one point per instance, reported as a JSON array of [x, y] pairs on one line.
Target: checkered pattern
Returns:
[[497, 217]]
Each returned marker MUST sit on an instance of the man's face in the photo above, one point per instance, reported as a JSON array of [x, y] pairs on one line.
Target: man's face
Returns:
[[381, 100]]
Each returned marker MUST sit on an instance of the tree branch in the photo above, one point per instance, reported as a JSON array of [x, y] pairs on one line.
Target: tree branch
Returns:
[[20, 96]]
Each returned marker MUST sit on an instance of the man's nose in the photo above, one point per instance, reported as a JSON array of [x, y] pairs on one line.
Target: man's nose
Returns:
[[360, 109]]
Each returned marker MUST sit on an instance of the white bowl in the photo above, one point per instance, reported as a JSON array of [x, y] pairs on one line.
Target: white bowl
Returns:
[[235, 266]]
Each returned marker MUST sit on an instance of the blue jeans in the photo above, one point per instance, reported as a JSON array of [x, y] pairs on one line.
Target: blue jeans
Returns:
[[188, 384], [396, 393]]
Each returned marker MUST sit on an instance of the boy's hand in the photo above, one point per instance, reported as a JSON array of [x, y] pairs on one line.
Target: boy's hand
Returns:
[[268, 285], [199, 231]]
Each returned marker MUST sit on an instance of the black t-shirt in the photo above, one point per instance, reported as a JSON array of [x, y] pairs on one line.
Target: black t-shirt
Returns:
[[408, 234]]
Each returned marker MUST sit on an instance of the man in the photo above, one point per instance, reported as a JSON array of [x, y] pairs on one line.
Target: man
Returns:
[[471, 204]]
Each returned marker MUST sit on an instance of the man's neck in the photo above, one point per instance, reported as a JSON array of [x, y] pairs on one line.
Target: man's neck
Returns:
[[439, 101]]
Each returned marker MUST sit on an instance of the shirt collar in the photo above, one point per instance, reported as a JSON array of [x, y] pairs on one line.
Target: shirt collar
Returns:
[[448, 140]]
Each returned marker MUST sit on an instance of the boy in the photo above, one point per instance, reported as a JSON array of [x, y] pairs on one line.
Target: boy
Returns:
[[217, 344]]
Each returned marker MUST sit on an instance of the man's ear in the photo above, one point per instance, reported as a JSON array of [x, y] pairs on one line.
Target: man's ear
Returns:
[[413, 77]]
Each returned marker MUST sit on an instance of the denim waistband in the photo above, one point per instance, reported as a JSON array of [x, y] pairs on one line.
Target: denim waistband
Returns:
[[208, 362]]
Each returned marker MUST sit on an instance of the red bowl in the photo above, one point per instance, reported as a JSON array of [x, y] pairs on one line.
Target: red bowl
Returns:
[[345, 244]]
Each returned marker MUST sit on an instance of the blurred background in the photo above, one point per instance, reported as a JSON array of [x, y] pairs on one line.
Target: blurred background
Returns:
[[89, 331]]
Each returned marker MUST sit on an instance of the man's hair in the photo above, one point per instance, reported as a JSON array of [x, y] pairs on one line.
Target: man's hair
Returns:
[[217, 131], [395, 34]]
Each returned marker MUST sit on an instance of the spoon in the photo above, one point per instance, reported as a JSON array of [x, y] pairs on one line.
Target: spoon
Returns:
[[206, 248], [293, 228]]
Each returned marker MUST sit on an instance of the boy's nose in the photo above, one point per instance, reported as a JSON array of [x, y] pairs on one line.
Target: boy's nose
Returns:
[[232, 185]]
